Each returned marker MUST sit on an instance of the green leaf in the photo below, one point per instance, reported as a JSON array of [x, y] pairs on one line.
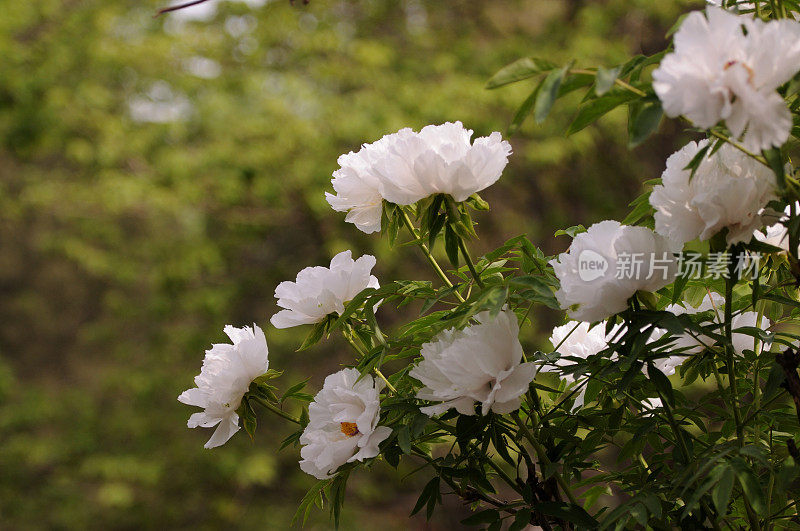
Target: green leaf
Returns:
[[641, 209], [492, 298], [269, 375], [594, 109], [567, 511], [484, 517], [521, 520], [575, 82], [644, 122], [519, 70], [661, 382], [697, 159], [605, 79], [265, 391], [751, 487], [524, 110], [291, 439], [314, 336], [570, 231], [293, 390], [248, 416], [776, 377], [722, 492], [591, 495], [430, 490], [548, 92], [451, 245], [358, 301], [477, 202], [775, 161], [308, 501], [337, 491], [404, 439], [676, 25]]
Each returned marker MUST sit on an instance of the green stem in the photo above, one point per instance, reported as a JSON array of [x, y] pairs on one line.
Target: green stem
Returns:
[[500, 504], [504, 476], [618, 82], [730, 362], [385, 380], [740, 147], [346, 334], [468, 260], [757, 348], [685, 451], [674, 425], [541, 452], [439, 271], [731, 368], [276, 410], [771, 485]]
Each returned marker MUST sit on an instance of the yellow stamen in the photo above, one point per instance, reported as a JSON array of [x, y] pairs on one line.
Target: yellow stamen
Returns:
[[750, 72], [349, 428]]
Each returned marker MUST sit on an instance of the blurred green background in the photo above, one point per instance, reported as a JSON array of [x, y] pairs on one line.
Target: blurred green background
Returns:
[[160, 176]]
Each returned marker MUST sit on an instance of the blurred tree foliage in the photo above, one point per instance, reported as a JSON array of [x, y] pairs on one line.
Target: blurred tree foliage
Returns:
[[158, 178]]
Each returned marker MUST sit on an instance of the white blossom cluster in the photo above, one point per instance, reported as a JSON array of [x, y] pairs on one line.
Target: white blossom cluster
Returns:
[[727, 67], [320, 291], [343, 423], [224, 379], [724, 69], [777, 234], [729, 190], [407, 166], [482, 363], [593, 299]]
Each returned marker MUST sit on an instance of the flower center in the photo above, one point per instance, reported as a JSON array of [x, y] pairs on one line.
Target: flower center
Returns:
[[750, 72], [349, 428]]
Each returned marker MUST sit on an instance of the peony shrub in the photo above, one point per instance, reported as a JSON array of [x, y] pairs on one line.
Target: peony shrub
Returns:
[[669, 397]]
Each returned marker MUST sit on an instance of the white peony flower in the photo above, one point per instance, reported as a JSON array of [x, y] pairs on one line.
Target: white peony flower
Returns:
[[777, 235], [690, 344], [343, 424], [649, 405], [666, 365], [742, 342], [607, 264], [728, 67], [728, 190], [320, 291], [357, 187], [577, 340], [406, 166], [224, 379], [731, 4], [481, 363]]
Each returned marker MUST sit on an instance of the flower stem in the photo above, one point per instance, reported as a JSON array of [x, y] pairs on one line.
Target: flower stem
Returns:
[[730, 362], [731, 368], [618, 82], [349, 339], [346, 333], [385, 380], [541, 452], [410, 226], [470, 264], [740, 147], [276, 410]]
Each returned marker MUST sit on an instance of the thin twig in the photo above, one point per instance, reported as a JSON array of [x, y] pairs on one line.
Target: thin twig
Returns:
[[177, 7]]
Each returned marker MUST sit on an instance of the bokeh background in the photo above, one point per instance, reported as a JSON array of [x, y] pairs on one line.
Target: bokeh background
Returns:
[[160, 176]]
